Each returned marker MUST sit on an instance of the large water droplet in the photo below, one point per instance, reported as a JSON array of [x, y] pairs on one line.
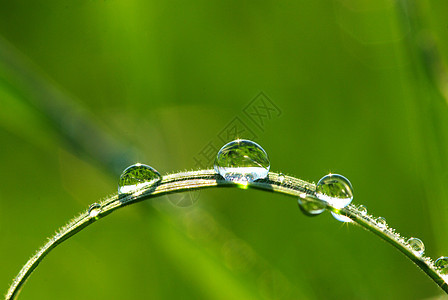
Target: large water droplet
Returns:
[[335, 189], [309, 207], [341, 218], [442, 265], [381, 222], [242, 161], [137, 177], [416, 245], [94, 210]]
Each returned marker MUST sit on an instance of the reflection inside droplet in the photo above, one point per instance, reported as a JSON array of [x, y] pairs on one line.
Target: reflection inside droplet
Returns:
[[137, 177], [309, 206], [416, 245], [242, 161], [341, 218], [335, 189], [94, 210]]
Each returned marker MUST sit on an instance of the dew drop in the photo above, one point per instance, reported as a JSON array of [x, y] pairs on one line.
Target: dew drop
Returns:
[[94, 210], [309, 207], [335, 189], [381, 222], [416, 245], [441, 265], [341, 218], [362, 210], [281, 177], [137, 177], [242, 161]]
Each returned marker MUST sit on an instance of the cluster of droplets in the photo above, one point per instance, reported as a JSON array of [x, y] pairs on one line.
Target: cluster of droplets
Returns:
[[332, 190], [414, 244], [244, 161]]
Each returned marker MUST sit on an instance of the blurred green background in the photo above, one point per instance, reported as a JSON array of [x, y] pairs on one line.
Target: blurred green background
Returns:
[[352, 87]]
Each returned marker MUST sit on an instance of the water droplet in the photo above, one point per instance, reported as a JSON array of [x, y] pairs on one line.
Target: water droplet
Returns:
[[381, 222], [362, 210], [94, 210], [242, 161], [341, 218], [281, 177], [309, 207], [441, 264], [416, 245], [335, 189], [137, 177]]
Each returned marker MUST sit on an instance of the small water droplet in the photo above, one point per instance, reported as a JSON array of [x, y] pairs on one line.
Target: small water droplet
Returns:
[[281, 177], [309, 207], [335, 189], [416, 245], [381, 222], [341, 218], [137, 177], [94, 210], [362, 210], [441, 265], [242, 161]]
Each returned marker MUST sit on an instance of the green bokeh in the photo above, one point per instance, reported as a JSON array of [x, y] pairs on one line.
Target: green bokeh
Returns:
[[86, 87]]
